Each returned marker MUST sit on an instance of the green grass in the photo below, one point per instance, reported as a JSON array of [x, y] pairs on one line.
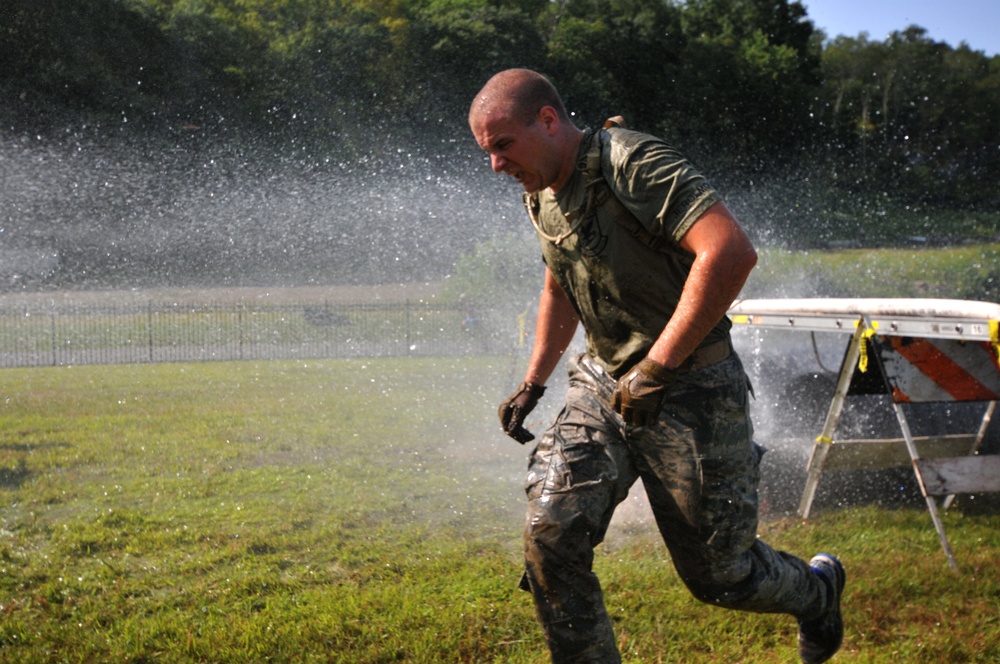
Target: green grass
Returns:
[[968, 272], [370, 511]]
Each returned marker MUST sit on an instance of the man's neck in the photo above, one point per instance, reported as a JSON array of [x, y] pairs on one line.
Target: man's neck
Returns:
[[570, 150]]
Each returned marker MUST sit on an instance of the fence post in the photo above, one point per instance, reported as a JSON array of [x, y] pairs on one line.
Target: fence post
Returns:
[[149, 326], [239, 325], [52, 331], [328, 331]]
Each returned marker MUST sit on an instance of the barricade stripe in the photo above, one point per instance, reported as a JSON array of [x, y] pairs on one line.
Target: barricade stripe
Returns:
[[950, 376]]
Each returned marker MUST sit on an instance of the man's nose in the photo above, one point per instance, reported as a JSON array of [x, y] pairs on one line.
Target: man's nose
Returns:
[[497, 162]]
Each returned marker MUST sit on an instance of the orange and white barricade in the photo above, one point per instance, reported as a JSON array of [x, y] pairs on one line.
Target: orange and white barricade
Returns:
[[916, 351]]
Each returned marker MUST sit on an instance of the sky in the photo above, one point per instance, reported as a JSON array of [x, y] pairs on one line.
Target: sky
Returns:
[[976, 22]]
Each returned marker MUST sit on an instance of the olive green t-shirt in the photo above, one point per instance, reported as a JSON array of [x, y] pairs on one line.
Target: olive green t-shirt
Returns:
[[623, 289]]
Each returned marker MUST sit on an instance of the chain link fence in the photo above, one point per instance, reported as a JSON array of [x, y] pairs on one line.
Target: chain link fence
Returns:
[[134, 332]]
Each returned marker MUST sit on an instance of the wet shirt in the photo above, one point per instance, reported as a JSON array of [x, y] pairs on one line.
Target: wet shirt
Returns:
[[623, 289]]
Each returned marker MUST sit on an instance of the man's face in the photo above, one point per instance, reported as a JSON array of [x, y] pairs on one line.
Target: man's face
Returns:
[[521, 151]]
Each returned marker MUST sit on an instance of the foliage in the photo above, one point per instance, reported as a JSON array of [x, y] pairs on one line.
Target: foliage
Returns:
[[92, 58], [613, 57], [741, 84], [917, 116], [195, 124], [369, 511], [755, 67], [479, 37]]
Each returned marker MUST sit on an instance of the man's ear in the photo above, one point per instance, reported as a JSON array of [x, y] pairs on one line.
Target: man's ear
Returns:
[[549, 119]]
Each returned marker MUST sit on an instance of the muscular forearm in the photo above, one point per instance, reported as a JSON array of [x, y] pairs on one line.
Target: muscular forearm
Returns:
[[557, 322]]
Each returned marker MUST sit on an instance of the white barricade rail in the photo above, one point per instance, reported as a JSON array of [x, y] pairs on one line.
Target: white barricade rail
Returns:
[[916, 351]]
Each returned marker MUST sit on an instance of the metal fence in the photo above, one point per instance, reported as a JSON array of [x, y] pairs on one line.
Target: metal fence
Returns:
[[68, 334]]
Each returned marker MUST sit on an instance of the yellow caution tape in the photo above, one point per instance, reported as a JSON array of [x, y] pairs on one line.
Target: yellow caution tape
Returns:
[[824, 440], [863, 358], [995, 336]]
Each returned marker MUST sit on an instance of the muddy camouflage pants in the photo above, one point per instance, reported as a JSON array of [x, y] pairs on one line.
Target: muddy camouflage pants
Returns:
[[700, 469]]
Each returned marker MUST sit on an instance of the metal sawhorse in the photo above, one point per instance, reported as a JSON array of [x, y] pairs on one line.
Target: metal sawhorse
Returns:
[[916, 351]]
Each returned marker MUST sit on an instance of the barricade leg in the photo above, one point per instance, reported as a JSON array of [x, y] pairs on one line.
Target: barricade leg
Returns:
[[822, 445], [911, 447]]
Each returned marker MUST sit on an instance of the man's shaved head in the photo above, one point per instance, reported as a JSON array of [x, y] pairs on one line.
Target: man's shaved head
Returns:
[[517, 94], [519, 119]]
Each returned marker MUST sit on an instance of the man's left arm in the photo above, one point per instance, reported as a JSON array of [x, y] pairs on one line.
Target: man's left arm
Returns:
[[723, 259]]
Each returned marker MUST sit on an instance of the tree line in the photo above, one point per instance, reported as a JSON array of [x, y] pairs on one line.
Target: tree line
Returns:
[[747, 84]]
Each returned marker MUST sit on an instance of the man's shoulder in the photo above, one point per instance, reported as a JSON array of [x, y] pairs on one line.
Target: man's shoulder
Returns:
[[625, 138], [622, 147]]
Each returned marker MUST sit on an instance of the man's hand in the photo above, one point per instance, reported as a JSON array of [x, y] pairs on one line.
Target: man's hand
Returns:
[[517, 406], [639, 393]]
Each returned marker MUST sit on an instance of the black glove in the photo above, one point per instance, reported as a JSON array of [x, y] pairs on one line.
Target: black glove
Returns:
[[517, 406], [639, 393]]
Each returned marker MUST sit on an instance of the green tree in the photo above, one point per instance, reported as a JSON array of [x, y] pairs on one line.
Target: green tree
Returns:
[[454, 46], [82, 58], [914, 116], [302, 68], [613, 57], [740, 83], [754, 65]]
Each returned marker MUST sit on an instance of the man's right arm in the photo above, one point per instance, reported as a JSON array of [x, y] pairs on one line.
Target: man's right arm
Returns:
[[557, 321], [556, 325]]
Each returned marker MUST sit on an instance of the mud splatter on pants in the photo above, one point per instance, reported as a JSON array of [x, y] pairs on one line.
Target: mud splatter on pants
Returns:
[[700, 469]]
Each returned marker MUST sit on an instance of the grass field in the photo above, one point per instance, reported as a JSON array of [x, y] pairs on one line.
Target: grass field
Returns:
[[370, 511]]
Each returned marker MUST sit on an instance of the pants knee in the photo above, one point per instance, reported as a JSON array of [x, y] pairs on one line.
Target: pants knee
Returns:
[[727, 585], [726, 596]]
